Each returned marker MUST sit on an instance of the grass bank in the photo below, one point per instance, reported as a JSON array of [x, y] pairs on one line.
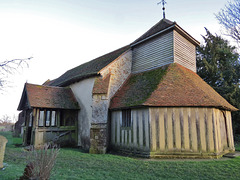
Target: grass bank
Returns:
[[74, 164]]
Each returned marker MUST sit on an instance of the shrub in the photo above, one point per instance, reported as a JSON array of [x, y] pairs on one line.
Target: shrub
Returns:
[[40, 162]]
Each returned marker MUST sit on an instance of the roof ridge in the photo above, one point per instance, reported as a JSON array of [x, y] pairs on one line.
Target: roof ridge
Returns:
[[98, 58], [148, 33], [31, 84], [88, 69]]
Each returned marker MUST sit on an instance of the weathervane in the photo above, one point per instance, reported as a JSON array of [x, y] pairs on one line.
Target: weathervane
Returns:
[[163, 3]]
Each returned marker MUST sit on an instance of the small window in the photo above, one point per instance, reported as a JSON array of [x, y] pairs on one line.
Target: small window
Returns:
[[47, 118], [47, 123], [30, 120], [53, 119], [126, 118], [41, 118]]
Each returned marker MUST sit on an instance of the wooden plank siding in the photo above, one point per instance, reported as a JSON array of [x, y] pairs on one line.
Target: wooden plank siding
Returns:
[[229, 129], [184, 52], [174, 132], [153, 53], [134, 139], [164, 49], [183, 132]]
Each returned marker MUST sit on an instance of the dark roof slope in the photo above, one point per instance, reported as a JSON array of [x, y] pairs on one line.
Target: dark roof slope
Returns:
[[47, 97], [88, 69], [176, 86], [161, 25]]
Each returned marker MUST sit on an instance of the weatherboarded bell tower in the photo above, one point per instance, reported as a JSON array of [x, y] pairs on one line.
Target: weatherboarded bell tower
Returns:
[[164, 43], [165, 109]]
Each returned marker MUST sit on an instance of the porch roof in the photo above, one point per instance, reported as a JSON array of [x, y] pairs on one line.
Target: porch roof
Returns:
[[41, 96]]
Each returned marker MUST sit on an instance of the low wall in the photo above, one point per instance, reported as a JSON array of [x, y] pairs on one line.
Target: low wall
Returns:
[[61, 136]]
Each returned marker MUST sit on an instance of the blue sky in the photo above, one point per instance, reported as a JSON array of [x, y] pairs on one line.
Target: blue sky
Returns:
[[62, 34]]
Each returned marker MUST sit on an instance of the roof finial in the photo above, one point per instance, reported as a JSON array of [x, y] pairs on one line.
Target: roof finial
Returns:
[[163, 3]]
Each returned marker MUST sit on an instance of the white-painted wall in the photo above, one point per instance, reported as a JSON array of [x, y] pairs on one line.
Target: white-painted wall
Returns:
[[83, 93]]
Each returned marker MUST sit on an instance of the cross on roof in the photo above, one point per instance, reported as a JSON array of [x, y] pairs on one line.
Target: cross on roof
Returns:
[[163, 3]]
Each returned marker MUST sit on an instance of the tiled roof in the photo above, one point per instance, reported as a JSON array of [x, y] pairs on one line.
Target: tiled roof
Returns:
[[88, 69], [176, 86], [47, 97], [101, 85], [161, 25]]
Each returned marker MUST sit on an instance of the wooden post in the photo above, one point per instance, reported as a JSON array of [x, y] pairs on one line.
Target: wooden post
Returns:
[[3, 142]]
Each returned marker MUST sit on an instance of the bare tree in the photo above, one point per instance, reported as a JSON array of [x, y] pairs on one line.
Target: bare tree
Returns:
[[5, 119], [9, 67], [229, 17]]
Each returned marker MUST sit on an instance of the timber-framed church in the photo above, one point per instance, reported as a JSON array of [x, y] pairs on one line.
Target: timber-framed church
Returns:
[[144, 99]]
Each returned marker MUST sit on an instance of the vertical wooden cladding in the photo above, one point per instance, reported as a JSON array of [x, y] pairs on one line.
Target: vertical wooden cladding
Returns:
[[133, 138], [183, 131], [153, 53], [190, 131], [184, 52]]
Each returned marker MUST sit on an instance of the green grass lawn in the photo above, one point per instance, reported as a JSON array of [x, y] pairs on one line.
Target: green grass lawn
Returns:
[[74, 164]]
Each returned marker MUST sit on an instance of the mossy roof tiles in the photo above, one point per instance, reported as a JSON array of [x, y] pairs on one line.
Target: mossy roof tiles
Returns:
[[176, 86], [47, 97]]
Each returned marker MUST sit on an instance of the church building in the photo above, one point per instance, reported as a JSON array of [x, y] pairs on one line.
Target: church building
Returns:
[[143, 99]]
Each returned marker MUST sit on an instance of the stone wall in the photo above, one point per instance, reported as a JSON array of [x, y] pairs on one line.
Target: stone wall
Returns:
[[100, 108], [118, 70], [98, 135]]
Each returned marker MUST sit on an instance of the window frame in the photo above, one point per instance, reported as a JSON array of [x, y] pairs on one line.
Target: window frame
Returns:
[[126, 118], [30, 123], [47, 119], [55, 118], [41, 118]]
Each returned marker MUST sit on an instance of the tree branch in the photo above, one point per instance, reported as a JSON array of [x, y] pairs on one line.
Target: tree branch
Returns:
[[9, 67]]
